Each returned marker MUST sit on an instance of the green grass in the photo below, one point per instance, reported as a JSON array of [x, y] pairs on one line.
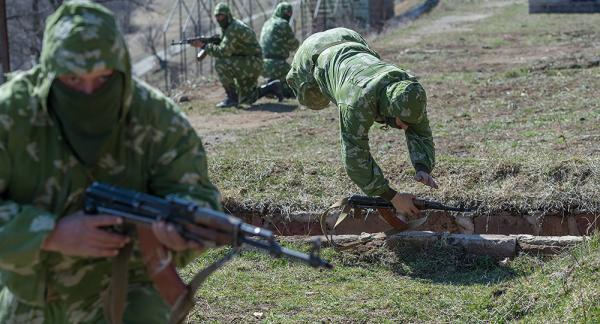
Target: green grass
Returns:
[[516, 129], [437, 284], [488, 107]]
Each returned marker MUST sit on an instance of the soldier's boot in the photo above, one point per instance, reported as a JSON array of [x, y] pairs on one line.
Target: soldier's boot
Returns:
[[231, 99], [271, 88]]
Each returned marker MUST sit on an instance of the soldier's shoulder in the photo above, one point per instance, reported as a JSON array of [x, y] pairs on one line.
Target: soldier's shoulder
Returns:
[[280, 22], [17, 93], [150, 105], [241, 27]]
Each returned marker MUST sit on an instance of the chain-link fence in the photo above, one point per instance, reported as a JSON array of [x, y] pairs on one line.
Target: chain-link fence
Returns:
[[189, 18]]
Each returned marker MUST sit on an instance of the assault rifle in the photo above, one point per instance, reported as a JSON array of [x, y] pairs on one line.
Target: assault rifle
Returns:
[[385, 209], [205, 39], [358, 201], [190, 220], [216, 39]]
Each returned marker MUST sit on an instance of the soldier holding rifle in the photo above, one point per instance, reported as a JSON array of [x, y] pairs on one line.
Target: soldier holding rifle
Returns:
[[338, 66], [238, 61], [75, 118]]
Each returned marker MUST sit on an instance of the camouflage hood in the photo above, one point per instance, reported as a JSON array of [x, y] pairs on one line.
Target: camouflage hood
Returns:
[[405, 99], [80, 37], [223, 9], [284, 10]]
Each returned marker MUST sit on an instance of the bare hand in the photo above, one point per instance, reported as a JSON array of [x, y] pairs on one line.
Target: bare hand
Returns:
[[197, 43], [81, 235], [168, 236], [404, 204], [426, 179]]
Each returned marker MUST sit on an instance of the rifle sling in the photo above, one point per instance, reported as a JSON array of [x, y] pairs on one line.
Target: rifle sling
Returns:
[[116, 296], [387, 214], [163, 273]]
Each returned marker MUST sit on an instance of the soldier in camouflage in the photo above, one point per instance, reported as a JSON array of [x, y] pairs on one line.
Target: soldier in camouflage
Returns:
[[277, 41], [338, 66], [75, 118], [238, 61]]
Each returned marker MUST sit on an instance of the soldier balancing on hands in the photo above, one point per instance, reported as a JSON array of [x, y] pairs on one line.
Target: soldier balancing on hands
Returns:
[[338, 66]]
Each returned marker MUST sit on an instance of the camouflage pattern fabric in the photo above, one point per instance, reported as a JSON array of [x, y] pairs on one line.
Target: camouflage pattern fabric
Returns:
[[277, 40], [238, 57], [338, 66], [152, 149]]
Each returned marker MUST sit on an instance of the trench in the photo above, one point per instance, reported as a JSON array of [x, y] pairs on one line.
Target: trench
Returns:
[[502, 223]]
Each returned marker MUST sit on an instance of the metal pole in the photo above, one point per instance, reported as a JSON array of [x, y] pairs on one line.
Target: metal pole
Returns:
[[181, 63], [212, 27], [4, 52], [166, 62], [302, 18], [200, 65]]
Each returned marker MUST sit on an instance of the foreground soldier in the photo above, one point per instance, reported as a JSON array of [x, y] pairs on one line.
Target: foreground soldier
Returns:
[[277, 41], [238, 61], [79, 117], [337, 65]]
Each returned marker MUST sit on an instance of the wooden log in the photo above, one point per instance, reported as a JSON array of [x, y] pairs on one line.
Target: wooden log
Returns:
[[564, 6]]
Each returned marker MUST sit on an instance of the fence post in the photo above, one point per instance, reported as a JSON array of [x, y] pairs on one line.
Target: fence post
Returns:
[[4, 49]]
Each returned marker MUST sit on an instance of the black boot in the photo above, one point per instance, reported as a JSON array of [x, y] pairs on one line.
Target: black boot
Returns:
[[231, 99], [271, 88]]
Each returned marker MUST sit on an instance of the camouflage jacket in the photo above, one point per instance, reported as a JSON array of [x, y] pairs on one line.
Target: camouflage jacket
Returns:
[[338, 66], [152, 149], [238, 39], [277, 39]]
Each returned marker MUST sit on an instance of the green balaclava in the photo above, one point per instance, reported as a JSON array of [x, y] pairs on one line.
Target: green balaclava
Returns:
[[82, 37], [223, 9], [88, 120], [406, 100], [284, 10]]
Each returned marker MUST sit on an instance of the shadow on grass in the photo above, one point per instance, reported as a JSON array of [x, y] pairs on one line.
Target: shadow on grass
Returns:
[[274, 107], [444, 265]]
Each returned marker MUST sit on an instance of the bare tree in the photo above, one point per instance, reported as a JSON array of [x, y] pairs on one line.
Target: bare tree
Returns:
[[26, 22], [149, 40]]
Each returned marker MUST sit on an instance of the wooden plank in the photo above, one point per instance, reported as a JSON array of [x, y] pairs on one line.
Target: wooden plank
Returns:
[[564, 6]]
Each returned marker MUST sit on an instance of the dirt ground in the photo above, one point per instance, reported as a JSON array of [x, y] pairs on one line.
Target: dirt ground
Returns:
[[216, 129]]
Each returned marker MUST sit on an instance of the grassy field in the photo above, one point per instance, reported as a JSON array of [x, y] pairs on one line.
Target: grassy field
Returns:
[[513, 106], [515, 113], [438, 284]]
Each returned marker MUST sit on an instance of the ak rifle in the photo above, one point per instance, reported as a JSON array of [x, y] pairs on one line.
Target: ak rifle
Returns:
[[216, 39], [201, 55], [204, 226], [365, 202]]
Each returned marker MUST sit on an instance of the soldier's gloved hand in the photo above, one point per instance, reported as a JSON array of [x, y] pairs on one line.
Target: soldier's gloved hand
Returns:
[[426, 179], [81, 235], [404, 205]]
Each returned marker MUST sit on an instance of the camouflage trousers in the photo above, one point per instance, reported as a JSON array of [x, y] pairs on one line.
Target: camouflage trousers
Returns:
[[240, 73], [144, 305], [276, 69]]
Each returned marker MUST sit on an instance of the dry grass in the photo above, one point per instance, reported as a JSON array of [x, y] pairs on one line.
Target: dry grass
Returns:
[[513, 107]]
